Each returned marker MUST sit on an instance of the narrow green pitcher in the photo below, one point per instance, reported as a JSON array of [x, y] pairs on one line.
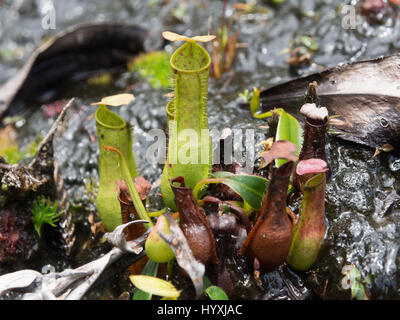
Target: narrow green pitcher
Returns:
[[188, 110], [113, 131]]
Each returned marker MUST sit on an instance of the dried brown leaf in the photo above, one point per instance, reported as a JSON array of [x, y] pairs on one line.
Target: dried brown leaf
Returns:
[[116, 100], [143, 187], [281, 149], [385, 148]]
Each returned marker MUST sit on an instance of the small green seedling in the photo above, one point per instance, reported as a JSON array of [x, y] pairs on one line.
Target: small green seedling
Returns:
[[245, 95], [352, 280], [44, 213], [154, 68]]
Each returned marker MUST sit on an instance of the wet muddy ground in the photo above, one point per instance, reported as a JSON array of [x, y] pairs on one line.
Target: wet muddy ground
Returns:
[[363, 193]]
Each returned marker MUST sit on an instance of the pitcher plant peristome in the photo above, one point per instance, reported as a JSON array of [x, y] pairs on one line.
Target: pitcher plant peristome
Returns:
[[187, 113], [112, 130]]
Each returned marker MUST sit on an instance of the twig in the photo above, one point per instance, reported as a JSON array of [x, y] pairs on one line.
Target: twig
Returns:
[[227, 82], [52, 130], [71, 284]]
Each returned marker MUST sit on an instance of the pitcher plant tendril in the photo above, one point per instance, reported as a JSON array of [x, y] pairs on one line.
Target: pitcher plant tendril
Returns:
[[126, 175]]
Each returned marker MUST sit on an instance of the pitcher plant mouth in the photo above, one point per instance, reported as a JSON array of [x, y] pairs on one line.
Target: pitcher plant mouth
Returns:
[[108, 119], [190, 58], [314, 182], [314, 144], [317, 123], [179, 183], [285, 171]]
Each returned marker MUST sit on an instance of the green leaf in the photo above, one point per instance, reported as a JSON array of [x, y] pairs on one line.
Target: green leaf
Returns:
[[251, 188], [155, 286], [206, 282], [170, 267], [357, 291], [11, 152], [255, 101], [353, 281], [222, 174], [355, 275], [310, 43], [150, 269], [245, 95], [289, 129], [216, 293]]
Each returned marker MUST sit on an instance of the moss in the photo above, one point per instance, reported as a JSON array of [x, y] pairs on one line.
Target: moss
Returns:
[[154, 68], [43, 212], [13, 154]]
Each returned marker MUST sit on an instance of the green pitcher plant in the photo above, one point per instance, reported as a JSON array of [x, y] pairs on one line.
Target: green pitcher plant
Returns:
[[187, 116], [113, 131], [309, 231]]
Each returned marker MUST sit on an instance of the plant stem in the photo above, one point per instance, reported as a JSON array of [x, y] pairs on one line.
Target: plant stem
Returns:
[[157, 213], [268, 114]]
